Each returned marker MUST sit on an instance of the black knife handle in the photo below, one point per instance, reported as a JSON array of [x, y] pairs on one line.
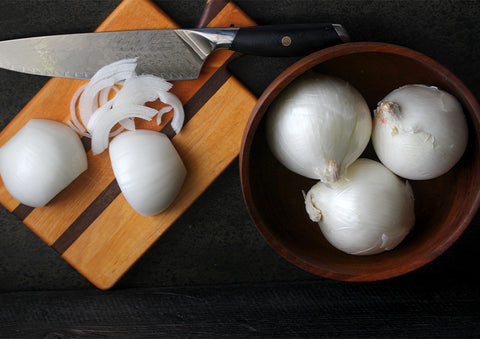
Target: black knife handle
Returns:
[[287, 40]]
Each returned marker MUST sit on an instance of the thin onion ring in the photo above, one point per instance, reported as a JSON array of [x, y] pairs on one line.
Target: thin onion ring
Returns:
[[98, 114]]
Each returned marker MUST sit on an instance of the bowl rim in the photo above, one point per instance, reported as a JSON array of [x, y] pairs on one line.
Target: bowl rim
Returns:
[[279, 83]]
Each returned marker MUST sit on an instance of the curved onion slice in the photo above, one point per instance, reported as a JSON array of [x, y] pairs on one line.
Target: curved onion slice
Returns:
[[179, 115], [99, 114], [141, 89], [105, 78], [100, 123], [75, 124]]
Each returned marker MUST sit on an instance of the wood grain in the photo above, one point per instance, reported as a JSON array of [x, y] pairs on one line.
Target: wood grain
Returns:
[[444, 207], [313, 309], [90, 223]]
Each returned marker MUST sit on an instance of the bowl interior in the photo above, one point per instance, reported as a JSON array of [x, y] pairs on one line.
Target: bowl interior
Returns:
[[444, 206]]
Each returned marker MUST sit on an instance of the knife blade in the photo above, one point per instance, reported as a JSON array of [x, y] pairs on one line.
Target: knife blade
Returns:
[[173, 54]]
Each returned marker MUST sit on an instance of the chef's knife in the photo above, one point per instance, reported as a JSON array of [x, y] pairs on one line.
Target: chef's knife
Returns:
[[174, 54]]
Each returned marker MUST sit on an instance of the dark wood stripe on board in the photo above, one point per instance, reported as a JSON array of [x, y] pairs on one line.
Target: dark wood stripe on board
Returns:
[[87, 217], [199, 99], [22, 211], [212, 8], [191, 107]]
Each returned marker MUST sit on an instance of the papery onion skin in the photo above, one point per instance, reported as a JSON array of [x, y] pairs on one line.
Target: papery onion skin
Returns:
[[420, 132], [318, 125], [368, 211], [148, 170], [40, 160]]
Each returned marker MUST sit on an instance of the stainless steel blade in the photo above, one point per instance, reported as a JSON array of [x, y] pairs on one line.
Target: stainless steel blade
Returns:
[[172, 54]]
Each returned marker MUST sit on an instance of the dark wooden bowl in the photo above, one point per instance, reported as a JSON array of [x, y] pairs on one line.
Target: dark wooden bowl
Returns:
[[444, 206]]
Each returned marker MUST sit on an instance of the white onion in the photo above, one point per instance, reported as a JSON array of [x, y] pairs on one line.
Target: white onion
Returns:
[[148, 169], [141, 89], [104, 79], [318, 126], [179, 115], [75, 124], [420, 132], [103, 122], [368, 211], [40, 160], [99, 114]]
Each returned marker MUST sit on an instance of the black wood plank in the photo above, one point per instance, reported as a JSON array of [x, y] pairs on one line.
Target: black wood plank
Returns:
[[307, 309]]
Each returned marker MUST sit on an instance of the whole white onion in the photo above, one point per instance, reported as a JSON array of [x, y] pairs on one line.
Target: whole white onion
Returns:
[[40, 160], [318, 126], [420, 132], [148, 169], [368, 211]]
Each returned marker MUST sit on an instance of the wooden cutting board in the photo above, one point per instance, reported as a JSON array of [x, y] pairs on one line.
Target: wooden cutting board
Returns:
[[90, 224]]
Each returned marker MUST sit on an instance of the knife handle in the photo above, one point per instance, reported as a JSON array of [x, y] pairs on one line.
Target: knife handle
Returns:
[[287, 40]]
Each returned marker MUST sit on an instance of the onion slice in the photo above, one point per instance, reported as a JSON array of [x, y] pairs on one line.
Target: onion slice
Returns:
[[101, 123], [179, 115], [141, 89], [75, 124], [105, 78], [98, 114]]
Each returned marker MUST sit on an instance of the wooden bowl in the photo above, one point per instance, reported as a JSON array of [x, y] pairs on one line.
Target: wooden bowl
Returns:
[[444, 206]]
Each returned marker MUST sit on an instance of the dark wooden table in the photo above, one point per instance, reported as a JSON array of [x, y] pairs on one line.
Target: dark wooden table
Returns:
[[212, 274]]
